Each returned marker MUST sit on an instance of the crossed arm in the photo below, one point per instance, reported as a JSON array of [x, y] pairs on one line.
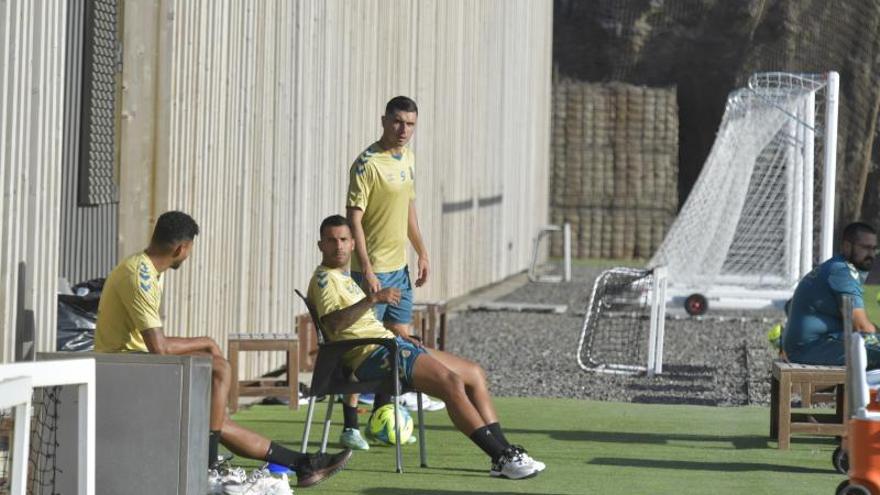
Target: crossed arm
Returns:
[[346, 317]]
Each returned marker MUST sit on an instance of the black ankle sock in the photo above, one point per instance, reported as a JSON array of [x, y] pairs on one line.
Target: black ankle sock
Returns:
[[495, 428], [279, 454], [380, 400], [213, 447], [485, 440], [350, 414]]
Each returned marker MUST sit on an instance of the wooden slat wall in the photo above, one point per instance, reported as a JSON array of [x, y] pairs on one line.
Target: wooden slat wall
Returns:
[[32, 43], [258, 108]]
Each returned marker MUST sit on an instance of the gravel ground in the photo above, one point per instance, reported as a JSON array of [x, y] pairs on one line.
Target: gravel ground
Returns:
[[722, 359]]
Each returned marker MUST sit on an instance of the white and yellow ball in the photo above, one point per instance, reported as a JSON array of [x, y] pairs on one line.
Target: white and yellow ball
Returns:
[[381, 424]]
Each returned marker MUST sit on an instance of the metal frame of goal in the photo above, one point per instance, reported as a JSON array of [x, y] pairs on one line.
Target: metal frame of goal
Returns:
[[761, 213], [623, 329], [18, 382]]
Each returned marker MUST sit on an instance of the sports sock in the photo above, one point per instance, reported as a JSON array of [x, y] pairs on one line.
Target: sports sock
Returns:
[[213, 447], [380, 400], [279, 454], [350, 415], [485, 440], [495, 428]]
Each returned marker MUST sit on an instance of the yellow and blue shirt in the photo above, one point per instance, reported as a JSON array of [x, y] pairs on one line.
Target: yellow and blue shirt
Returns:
[[381, 184], [332, 289], [129, 304]]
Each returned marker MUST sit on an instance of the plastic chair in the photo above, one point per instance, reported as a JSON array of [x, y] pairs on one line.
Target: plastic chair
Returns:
[[330, 378]]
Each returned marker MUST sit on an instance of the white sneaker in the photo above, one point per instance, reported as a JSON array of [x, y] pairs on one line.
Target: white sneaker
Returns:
[[260, 482], [409, 400], [540, 466], [219, 478], [513, 465]]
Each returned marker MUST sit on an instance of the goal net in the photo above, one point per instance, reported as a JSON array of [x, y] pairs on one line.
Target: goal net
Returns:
[[39, 416], [623, 328], [30, 440], [751, 226]]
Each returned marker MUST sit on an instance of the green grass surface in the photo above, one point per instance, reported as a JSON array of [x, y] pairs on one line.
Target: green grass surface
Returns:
[[871, 303], [589, 447]]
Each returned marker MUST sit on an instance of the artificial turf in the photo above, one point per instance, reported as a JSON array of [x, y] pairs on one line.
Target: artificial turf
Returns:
[[589, 447]]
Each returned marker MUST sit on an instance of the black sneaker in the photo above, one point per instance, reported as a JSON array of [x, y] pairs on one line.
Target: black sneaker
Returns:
[[319, 467]]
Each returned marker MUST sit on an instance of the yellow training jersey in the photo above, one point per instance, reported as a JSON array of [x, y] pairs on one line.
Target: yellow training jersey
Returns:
[[332, 289], [381, 184], [129, 304]]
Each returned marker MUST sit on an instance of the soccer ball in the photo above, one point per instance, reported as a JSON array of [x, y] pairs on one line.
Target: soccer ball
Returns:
[[381, 424]]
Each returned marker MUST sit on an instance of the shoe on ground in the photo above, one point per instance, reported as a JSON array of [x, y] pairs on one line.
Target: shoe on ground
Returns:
[[319, 467], [351, 438], [367, 399], [540, 466], [513, 465], [409, 400], [260, 482], [222, 475]]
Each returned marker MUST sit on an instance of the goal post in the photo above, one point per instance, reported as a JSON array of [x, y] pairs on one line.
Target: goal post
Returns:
[[748, 230], [623, 329], [39, 376], [15, 395]]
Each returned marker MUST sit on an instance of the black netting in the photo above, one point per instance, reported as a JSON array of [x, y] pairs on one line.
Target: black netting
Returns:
[[42, 459]]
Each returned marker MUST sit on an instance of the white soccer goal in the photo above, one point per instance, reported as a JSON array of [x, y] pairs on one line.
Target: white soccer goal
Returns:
[[623, 329], [747, 232], [545, 232], [29, 443]]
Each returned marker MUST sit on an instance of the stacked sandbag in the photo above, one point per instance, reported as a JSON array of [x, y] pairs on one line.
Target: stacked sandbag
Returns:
[[614, 167]]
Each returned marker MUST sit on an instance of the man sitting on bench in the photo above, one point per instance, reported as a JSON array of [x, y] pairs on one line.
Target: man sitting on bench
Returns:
[[128, 321], [347, 313], [814, 331]]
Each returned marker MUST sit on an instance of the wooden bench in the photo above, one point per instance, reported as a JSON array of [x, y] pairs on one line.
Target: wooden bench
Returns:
[[285, 342], [807, 379], [429, 323]]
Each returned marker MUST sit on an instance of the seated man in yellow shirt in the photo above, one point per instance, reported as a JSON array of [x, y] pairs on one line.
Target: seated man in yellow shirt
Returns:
[[128, 321], [347, 313]]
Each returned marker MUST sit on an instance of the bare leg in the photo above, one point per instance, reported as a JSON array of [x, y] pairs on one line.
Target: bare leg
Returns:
[[243, 442], [474, 378], [350, 400], [221, 380], [434, 378]]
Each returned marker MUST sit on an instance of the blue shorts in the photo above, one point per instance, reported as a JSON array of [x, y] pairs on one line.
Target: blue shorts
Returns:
[[378, 364], [400, 313]]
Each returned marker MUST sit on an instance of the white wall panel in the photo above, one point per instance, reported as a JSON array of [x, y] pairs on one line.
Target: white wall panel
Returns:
[[32, 48], [254, 110]]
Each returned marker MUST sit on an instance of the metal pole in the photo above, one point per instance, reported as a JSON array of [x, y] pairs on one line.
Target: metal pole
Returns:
[[828, 184]]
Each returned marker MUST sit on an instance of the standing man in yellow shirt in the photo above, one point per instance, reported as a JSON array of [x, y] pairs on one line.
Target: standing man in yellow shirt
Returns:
[[381, 208], [128, 321]]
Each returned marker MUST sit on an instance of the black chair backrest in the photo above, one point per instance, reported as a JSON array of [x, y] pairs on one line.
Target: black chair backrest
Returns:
[[316, 320]]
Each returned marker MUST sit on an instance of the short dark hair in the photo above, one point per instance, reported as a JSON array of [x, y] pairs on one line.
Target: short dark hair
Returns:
[[173, 227], [333, 221], [851, 232], [401, 104]]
